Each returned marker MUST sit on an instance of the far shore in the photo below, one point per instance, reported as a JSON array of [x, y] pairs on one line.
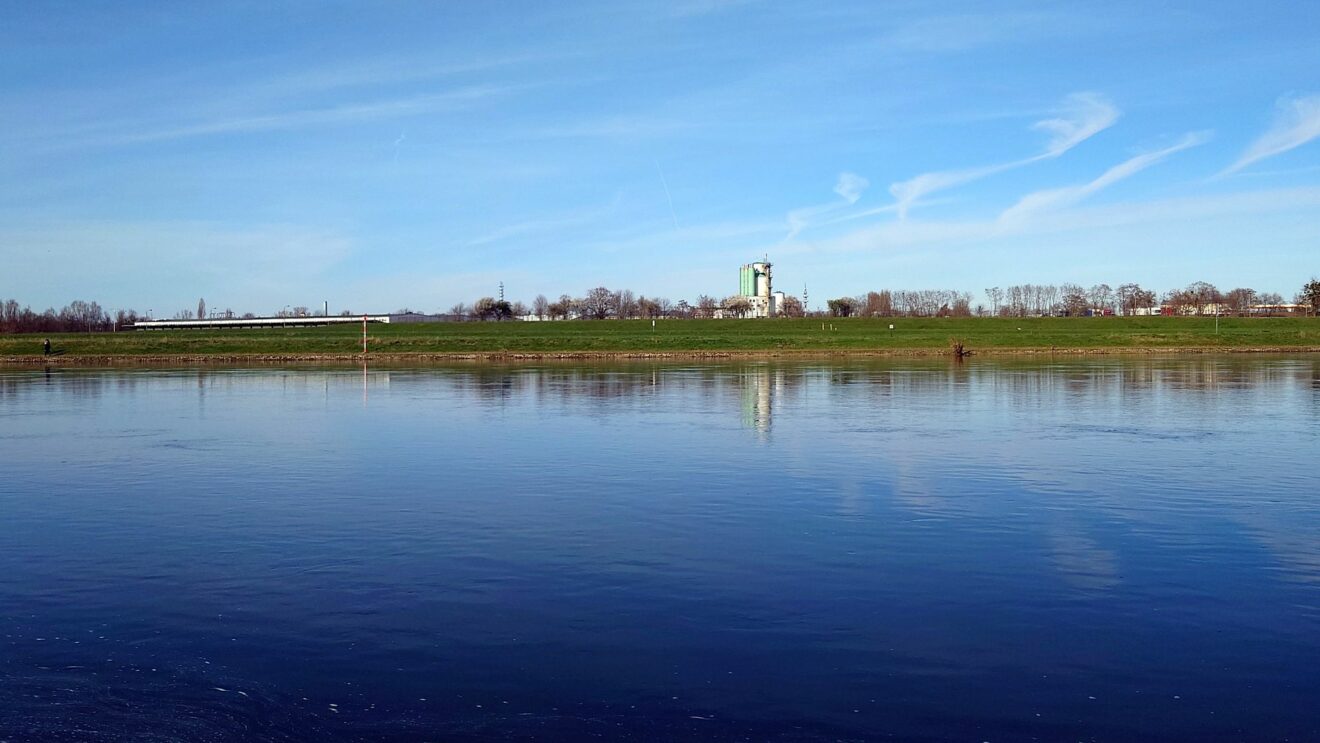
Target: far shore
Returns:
[[156, 360], [678, 340]]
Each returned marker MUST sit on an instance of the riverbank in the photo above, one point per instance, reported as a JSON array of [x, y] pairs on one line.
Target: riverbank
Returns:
[[673, 339], [508, 358]]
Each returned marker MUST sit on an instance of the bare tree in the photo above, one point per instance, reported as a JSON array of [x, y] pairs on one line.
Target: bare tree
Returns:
[[599, 303], [1074, 300], [540, 306], [647, 308], [842, 307], [201, 309], [878, 304], [738, 305], [791, 307], [1240, 300], [1101, 297], [1127, 298], [1199, 294], [625, 304], [484, 309], [1309, 296]]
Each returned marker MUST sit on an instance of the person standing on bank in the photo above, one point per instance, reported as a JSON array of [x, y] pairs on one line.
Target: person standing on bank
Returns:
[[45, 347]]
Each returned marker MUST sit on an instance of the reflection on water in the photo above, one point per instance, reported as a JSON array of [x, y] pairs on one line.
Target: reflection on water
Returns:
[[1000, 549]]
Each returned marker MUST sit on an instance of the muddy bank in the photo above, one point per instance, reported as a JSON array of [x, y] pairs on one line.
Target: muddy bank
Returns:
[[507, 357]]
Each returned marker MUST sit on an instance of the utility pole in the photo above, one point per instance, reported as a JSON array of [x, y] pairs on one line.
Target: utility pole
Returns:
[[501, 291], [806, 304]]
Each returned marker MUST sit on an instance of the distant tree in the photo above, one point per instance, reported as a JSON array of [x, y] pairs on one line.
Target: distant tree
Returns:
[[561, 308], [995, 295], [842, 307], [484, 309], [518, 309], [1101, 297], [625, 304], [489, 308], [648, 308], [1074, 300], [1310, 295], [683, 309], [878, 304], [706, 305], [1127, 298], [1240, 300], [459, 309], [599, 303], [183, 315], [201, 309], [791, 307], [1145, 299], [301, 312], [738, 305], [540, 306], [1199, 294]]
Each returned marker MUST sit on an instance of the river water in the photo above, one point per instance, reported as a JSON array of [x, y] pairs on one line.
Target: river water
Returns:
[[1108, 549]]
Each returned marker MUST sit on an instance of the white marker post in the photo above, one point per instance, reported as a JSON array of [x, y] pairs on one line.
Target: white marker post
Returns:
[[364, 334]]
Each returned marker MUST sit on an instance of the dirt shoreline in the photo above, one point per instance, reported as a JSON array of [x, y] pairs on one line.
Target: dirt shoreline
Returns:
[[506, 357]]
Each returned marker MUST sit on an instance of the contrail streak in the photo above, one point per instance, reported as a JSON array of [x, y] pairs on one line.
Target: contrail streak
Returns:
[[665, 183]]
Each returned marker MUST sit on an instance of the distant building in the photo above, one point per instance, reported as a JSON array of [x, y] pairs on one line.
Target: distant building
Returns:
[[754, 285]]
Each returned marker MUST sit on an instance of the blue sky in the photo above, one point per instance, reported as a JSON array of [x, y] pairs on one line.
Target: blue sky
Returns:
[[380, 155]]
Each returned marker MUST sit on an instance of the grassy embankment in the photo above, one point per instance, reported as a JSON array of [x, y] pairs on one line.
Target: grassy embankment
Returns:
[[679, 337]]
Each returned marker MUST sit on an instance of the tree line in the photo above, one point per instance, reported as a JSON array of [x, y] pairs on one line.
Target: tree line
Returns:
[[601, 303], [1073, 300], [78, 316]]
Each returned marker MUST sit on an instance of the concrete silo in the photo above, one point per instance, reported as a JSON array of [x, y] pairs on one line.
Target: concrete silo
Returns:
[[755, 284]]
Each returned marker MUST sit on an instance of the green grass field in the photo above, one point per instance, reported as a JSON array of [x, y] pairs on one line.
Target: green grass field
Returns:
[[698, 336]]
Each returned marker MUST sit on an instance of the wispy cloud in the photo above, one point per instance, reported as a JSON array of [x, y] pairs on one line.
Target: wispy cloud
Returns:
[[548, 224], [163, 263], [1056, 198], [886, 237], [1083, 115], [382, 109], [849, 187], [1296, 122]]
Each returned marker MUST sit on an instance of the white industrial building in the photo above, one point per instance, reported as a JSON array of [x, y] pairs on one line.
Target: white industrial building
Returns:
[[755, 285]]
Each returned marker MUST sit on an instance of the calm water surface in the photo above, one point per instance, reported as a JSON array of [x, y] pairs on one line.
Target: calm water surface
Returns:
[[1094, 549]]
